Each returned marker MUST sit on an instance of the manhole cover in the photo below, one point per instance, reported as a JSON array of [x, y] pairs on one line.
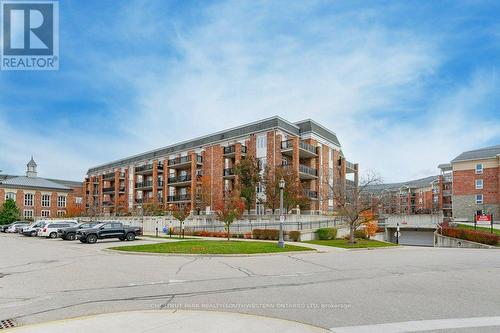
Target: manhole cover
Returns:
[[7, 323]]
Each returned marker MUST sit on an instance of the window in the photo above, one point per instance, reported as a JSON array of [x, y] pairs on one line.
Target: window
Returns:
[[28, 213], [46, 200], [61, 213], [61, 201], [78, 201], [28, 199], [479, 168], [10, 195], [479, 184], [479, 199], [45, 213]]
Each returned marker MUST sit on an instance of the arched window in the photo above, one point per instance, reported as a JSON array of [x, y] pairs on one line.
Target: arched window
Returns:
[[10, 195]]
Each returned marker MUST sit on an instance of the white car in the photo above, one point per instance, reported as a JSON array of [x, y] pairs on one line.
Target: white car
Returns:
[[32, 229], [13, 227], [49, 229]]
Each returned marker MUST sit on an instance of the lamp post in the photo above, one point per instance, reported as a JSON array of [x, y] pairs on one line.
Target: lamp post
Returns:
[[281, 242]]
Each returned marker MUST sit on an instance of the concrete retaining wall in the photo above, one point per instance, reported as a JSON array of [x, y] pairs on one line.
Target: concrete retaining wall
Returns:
[[445, 241]]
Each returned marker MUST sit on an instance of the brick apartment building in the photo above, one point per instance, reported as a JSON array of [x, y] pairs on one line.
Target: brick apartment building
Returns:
[[420, 196], [172, 175], [40, 197], [473, 179]]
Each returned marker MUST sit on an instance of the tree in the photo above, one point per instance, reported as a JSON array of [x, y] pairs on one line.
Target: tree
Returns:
[[293, 194], [9, 212], [180, 214], [74, 210], [370, 223], [121, 208], [151, 207], [352, 203], [247, 171], [229, 210]]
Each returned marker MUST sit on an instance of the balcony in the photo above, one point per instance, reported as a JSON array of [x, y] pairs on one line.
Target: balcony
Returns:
[[447, 206], [446, 193], [108, 189], [182, 180], [144, 185], [306, 150], [230, 151], [183, 162], [313, 195], [108, 203], [306, 172], [228, 173], [350, 167], [109, 176], [179, 198], [447, 178], [147, 169]]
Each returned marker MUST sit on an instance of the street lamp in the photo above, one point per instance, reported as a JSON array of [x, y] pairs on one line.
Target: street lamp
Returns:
[[281, 242]]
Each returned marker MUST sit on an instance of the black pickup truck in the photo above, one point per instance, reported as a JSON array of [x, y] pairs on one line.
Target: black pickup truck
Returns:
[[69, 233], [108, 230]]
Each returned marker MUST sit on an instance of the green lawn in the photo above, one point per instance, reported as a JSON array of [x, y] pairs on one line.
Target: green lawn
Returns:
[[211, 247], [485, 229], [343, 243]]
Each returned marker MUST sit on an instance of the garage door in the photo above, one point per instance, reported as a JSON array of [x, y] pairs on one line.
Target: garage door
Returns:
[[418, 238]]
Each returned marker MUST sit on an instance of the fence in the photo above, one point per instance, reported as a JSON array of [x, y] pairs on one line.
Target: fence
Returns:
[[150, 224]]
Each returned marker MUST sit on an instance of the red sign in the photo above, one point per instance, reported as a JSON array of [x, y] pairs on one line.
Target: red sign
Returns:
[[483, 218]]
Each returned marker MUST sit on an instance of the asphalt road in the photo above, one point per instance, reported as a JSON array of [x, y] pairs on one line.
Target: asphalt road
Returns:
[[43, 280]]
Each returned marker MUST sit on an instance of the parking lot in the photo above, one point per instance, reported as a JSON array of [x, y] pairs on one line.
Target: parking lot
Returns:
[[47, 279]]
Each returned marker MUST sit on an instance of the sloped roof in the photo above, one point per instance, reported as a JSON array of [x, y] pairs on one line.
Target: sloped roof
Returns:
[[488, 152], [417, 183], [33, 182]]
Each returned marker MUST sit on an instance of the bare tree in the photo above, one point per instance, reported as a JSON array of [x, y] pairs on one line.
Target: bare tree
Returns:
[[353, 202]]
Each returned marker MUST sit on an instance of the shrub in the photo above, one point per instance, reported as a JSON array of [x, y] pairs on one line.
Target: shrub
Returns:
[[360, 234], [327, 233], [269, 234], [248, 235], [294, 235], [471, 235]]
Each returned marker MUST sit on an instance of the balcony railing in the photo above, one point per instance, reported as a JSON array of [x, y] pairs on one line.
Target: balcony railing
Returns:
[[311, 194], [447, 206], [179, 197], [183, 160], [308, 170], [446, 193], [350, 165], [288, 144], [232, 149], [109, 176], [144, 184], [108, 189], [447, 179], [179, 179], [228, 172], [160, 183]]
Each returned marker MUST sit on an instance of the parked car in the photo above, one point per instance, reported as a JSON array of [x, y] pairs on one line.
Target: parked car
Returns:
[[4, 227], [14, 227], [108, 230], [32, 229], [50, 228], [69, 233]]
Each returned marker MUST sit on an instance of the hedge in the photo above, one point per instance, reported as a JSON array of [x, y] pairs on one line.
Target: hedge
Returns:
[[360, 234], [471, 235], [327, 233], [294, 236], [270, 234]]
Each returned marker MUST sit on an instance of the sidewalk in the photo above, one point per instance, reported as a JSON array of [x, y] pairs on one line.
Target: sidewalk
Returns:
[[179, 321]]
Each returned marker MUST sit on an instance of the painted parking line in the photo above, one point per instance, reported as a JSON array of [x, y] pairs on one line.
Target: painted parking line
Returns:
[[421, 325]]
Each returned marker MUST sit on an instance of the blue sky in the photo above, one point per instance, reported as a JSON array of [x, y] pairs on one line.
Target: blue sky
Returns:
[[406, 85]]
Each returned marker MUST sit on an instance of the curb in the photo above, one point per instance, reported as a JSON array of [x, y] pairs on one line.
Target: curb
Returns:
[[207, 254]]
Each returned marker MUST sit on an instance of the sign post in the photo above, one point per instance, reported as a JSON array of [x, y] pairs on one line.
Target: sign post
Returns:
[[488, 218]]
